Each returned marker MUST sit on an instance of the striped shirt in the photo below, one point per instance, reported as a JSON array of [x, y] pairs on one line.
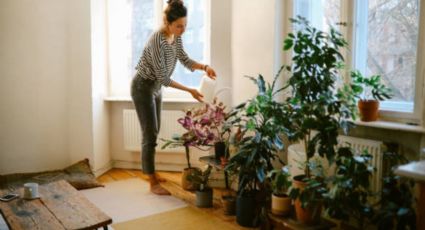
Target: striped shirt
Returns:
[[159, 58]]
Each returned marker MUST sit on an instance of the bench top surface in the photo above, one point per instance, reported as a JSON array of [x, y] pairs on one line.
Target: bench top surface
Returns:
[[60, 206]]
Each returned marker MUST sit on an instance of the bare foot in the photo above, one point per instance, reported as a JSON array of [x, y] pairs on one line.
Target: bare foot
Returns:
[[160, 179], [159, 190]]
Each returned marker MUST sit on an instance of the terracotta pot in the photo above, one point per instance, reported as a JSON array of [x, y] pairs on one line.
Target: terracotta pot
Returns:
[[310, 214], [186, 184], [281, 205], [368, 110]]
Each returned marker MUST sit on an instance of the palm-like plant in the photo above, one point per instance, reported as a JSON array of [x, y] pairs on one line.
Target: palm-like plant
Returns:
[[259, 121]]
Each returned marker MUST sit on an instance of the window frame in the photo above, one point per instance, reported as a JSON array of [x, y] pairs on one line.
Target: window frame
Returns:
[[348, 14], [168, 93]]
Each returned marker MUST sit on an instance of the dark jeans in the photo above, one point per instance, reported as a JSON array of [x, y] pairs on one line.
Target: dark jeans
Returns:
[[147, 99]]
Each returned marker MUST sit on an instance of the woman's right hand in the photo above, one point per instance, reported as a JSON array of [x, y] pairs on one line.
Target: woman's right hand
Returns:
[[196, 94]]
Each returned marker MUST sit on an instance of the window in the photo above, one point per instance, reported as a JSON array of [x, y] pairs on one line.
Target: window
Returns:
[[384, 40], [130, 24]]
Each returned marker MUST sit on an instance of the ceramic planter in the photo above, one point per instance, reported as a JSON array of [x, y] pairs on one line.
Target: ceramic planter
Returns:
[[186, 184], [368, 110], [281, 205]]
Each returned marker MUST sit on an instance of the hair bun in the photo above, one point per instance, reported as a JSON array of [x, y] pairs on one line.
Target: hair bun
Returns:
[[175, 2]]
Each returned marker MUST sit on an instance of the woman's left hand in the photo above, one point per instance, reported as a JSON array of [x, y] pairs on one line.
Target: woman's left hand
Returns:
[[210, 73]]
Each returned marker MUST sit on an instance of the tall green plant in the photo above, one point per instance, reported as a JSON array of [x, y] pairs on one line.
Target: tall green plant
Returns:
[[315, 104]]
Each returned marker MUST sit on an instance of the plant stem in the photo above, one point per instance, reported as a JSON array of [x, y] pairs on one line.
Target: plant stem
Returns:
[[187, 156]]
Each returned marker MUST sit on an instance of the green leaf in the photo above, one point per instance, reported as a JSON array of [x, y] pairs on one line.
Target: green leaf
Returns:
[[288, 43]]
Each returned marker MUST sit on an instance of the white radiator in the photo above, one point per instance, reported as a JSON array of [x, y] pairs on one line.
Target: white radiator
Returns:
[[169, 127], [296, 154]]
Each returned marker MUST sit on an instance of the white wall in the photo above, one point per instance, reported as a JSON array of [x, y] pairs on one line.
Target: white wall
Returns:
[[45, 68], [253, 45], [100, 116]]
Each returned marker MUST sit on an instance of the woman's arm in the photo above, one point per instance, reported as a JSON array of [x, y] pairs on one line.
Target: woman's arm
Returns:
[[208, 70], [195, 94]]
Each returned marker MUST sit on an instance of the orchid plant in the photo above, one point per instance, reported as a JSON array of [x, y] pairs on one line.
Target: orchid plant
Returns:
[[203, 127]]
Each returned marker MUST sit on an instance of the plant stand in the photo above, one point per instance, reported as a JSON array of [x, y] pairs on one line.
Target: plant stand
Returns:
[[290, 222]]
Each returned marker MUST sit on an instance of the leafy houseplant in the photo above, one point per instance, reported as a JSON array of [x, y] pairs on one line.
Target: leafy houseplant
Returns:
[[350, 196], [280, 184], [259, 120], [370, 91], [396, 206], [316, 111], [202, 125], [204, 195]]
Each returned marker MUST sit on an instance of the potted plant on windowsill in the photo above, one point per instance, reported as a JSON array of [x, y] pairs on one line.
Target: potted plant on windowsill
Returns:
[[259, 122], [280, 184], [370, 91], [204, 194], [316, 111], [202, 125]]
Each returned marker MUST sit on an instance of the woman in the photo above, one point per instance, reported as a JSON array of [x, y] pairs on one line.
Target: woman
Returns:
[[154, 70]]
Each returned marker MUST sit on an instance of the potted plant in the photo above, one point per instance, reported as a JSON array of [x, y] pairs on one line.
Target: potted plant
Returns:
[[396, 207], [350, 198], [202, 125], [259, 123], [315, 111], [370, 91], [280, 184], [204, 194]]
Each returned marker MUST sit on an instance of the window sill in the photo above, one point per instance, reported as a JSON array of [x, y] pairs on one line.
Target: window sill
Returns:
[[391, 125], [165, 100]]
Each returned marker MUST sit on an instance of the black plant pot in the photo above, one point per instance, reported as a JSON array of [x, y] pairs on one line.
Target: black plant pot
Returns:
[[246, 210], [204, 199], [219, 150]]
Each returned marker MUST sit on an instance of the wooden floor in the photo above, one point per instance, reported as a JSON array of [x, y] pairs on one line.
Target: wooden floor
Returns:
[[173, 185]]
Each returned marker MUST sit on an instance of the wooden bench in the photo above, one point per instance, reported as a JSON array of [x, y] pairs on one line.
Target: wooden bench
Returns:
[[60, 206]]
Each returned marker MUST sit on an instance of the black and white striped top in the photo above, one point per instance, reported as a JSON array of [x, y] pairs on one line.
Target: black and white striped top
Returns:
[[159, 58]]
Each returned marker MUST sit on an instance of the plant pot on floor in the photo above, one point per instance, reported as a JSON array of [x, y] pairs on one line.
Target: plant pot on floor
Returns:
[[204, 198], [189, 185], [281, 205], [308, 215], [368, 110], [246, 210], [229, 205]]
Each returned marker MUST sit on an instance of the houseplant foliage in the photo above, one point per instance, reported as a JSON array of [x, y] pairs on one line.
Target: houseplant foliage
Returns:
[[203, 128], [259, 120], [204, 195], [316, 110], [396, 206], [350, 196], [369, 90], [280, 184]]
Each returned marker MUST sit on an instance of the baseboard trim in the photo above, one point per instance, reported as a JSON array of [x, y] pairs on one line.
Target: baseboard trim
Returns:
[[108, 166], [159, 165]]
